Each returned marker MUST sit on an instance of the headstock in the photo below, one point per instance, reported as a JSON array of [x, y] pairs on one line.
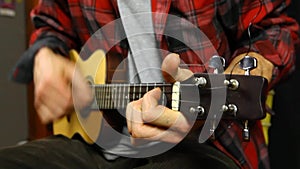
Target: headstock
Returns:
[[235, 96]]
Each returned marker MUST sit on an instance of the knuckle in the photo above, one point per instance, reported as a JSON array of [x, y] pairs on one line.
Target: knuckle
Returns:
[[149, 117], [137, 132], [38, 91]]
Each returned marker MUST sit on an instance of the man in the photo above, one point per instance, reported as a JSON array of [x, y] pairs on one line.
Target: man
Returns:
[[228, 25]]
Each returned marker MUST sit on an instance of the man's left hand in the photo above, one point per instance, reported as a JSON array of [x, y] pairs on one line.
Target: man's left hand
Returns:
[[148, 120]]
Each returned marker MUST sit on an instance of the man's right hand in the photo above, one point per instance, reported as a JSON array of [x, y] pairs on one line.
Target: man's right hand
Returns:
[[53, 77]]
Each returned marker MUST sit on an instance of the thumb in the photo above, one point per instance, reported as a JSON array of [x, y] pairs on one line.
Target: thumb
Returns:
[[171, 70]]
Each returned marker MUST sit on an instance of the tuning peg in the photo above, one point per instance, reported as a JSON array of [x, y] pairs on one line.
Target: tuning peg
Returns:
[[200, 81], [217, 63], [230, 109], [212, 133], [246, 132], [212, 129], [232, 84], [248, 63]]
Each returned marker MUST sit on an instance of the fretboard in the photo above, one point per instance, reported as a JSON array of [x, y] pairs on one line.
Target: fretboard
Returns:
[[117, 96]]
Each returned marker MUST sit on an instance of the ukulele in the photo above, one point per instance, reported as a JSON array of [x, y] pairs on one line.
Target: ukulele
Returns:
[[232, 96]]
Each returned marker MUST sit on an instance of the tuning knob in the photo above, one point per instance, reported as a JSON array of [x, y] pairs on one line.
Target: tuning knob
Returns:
[[248, 63], [199, 110], [246, 131], [217, 63], [200, 81], [232, 84]]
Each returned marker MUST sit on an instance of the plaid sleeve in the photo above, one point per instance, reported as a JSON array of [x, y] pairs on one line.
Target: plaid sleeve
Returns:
[[53, 28], [273, 34], [52, 18]]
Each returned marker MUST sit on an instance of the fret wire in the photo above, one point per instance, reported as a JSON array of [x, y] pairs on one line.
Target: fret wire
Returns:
[[112, 88], [108, 97], [104, 97], [133, 97], [162, 95], [119, 97], [123, 96], [128, 96], [98, 96], [114, 100], [111, 92], [140, 91], [101, 103], [147, 87], [108, 87]]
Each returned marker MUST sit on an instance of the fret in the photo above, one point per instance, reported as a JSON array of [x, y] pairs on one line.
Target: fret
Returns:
[[100, 100], [108, 100], [107, 97], [147, 87], [104, 95], [163, 95], [112, 100], [128, 95], [133, 95], [119, 96], [123, 96], [140, 91], [117, 104], [101, 95], [106, 105], [115, 97], [110, 89]]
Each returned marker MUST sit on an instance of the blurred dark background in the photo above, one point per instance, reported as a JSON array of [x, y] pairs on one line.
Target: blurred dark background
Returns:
[[284, 133]]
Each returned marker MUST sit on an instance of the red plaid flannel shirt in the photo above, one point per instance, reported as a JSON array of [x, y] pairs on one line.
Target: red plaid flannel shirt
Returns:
[[224, 22]]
